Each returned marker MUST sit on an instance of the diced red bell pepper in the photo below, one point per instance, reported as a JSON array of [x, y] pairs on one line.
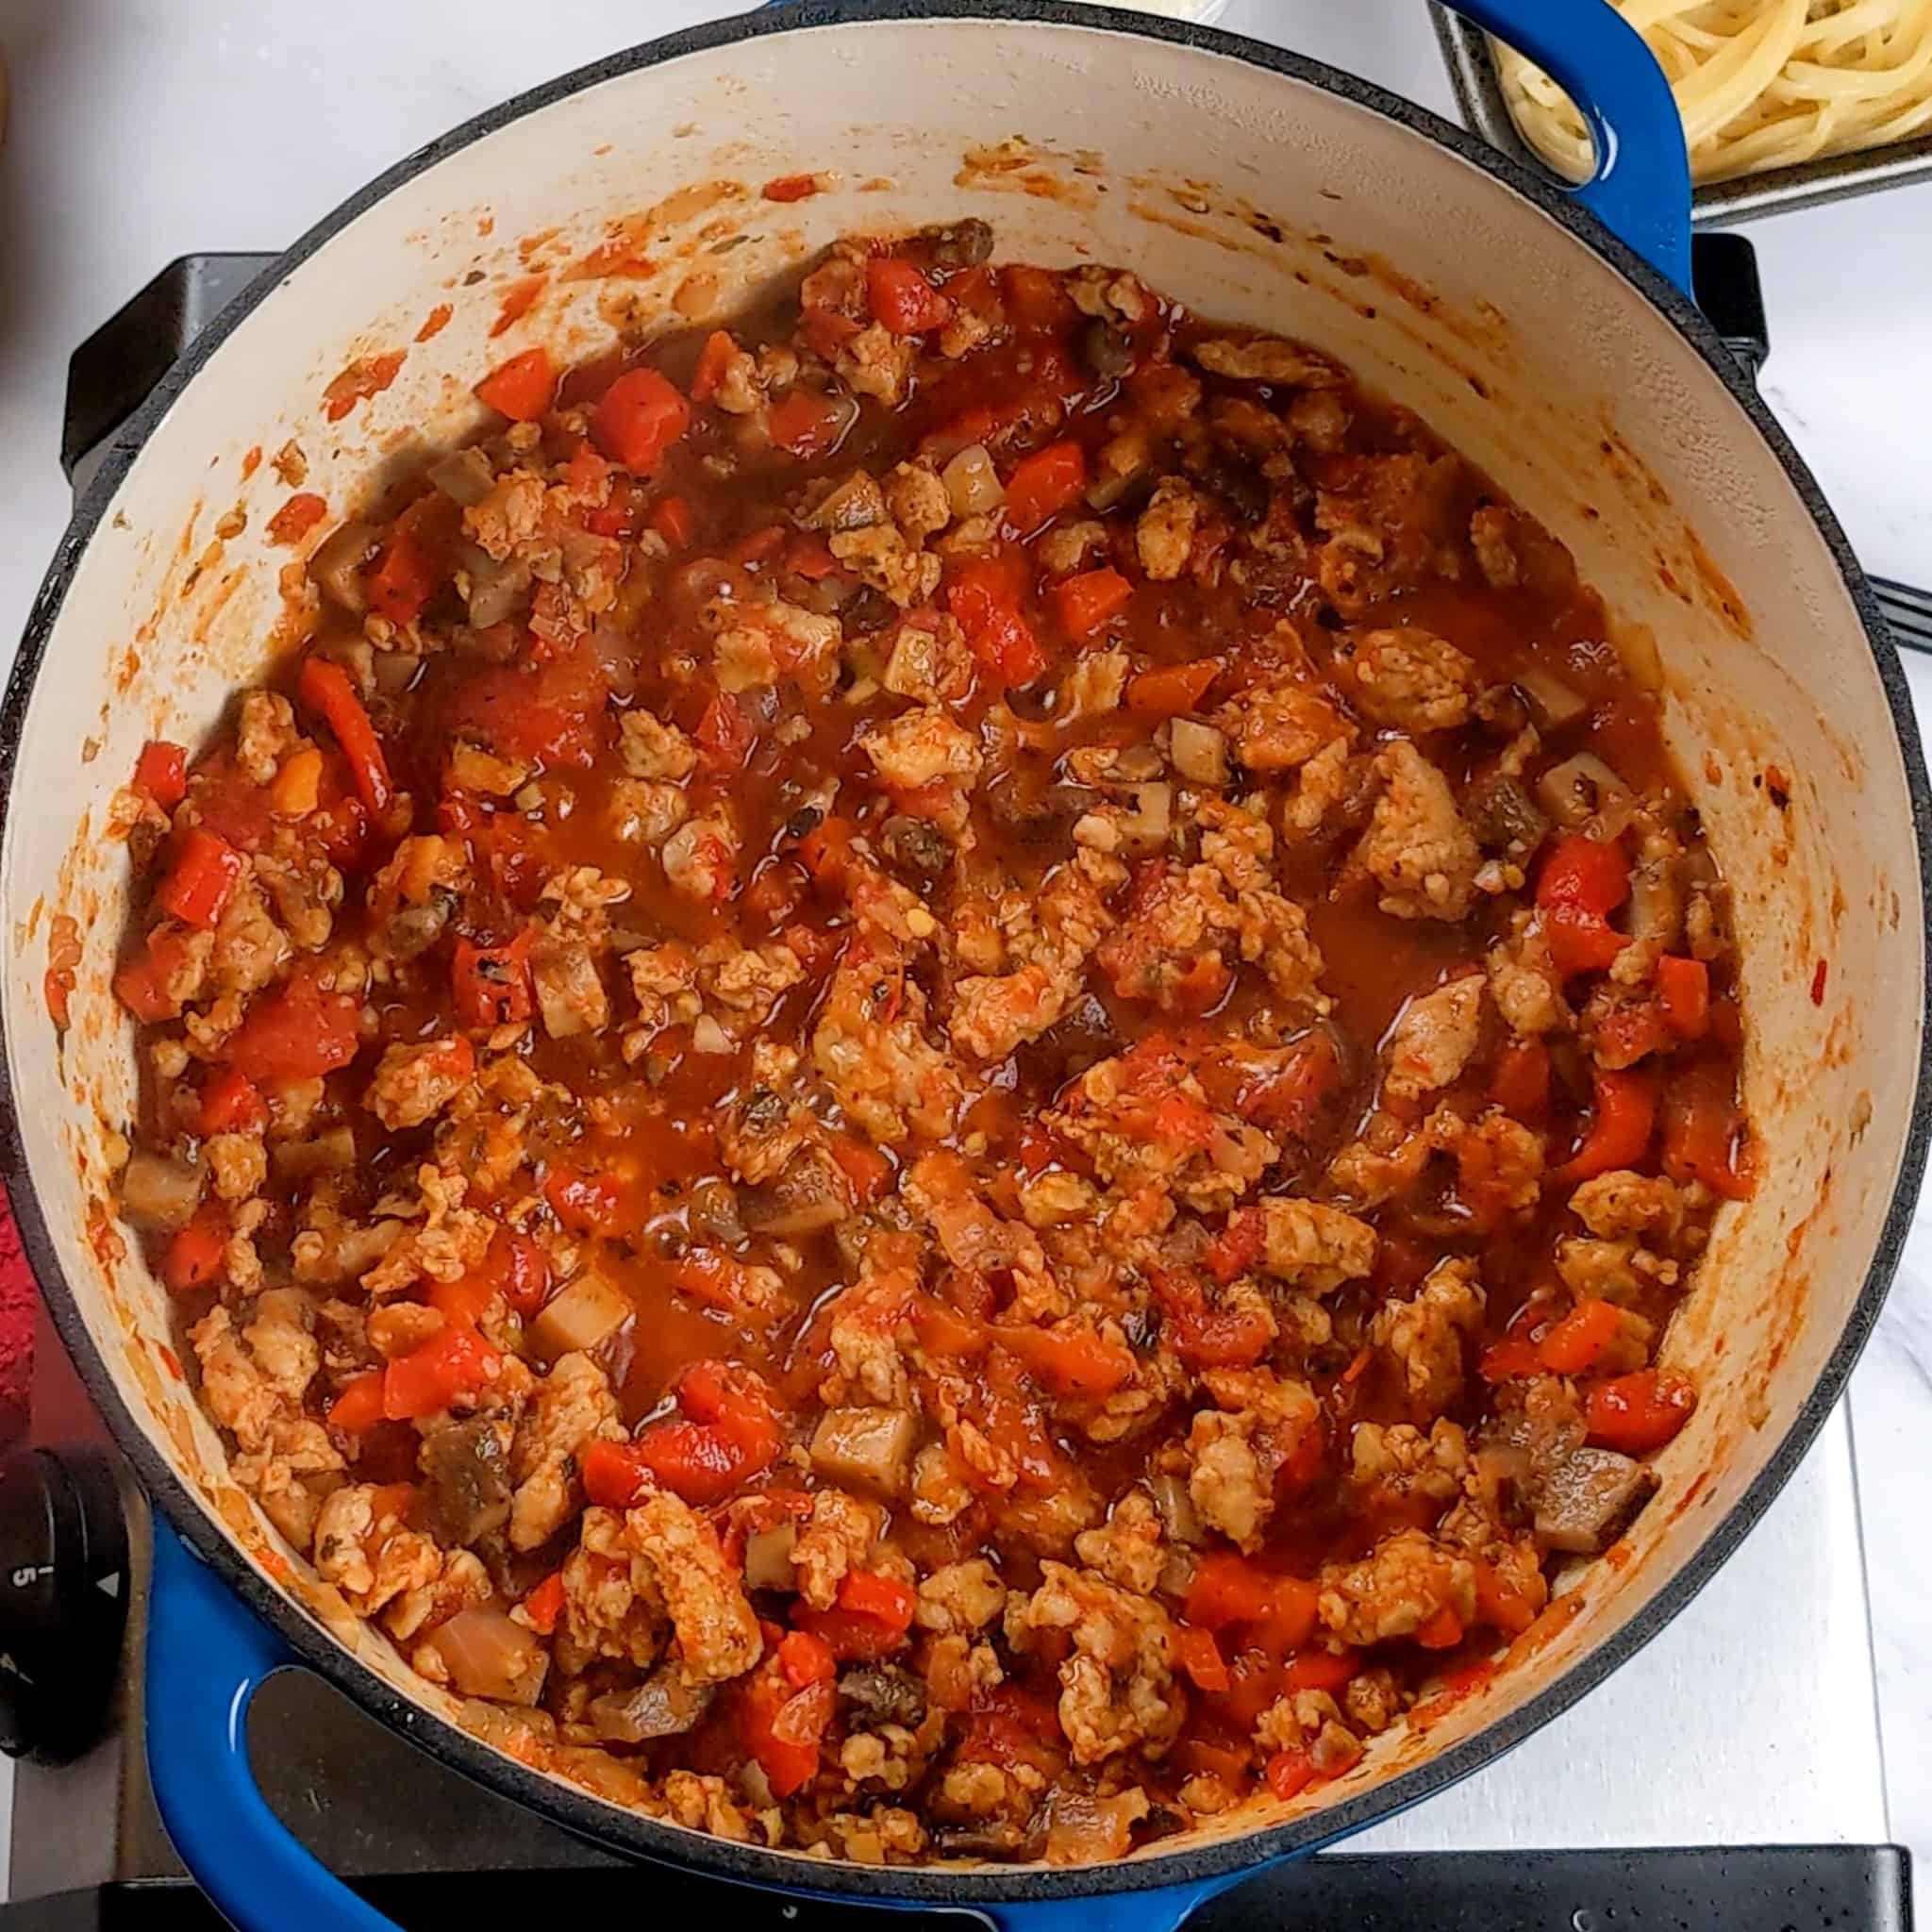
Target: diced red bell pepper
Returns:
[[1582, 882], [614, 1475], [297, 1032], [1172, 690], [1322, 1670], [1071, 1361], [520, 389], [852, 1636], [160, 773], [866, 1593], [455, 1361], [1574, 1343], [202, 880], [1230, 1589], [1239, 1246], [545, 1606], [490, 984], [403, 580], [465, 1301], [724, 735], [1683, 985], [985, 599], [590, 1203], [1520, 1086], [714, 358], [782, 1726], [1200, 1656], [727, 1436], [806, 422], [230, 1103], [638, 418], [325, 688], [520, 1270], [1621, 1121], [1703, 1137], [1290, 1772], [297, 517], [359, 1407], [194, 1256], [862, 1164], [141, 985], [1502, 1605], [1591, 874], [806, 1659], [1043, 485], [900, 298], [671, 517], [1639, 1412], [1084, 603]]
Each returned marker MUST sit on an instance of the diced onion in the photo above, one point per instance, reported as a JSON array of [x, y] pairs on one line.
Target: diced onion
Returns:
[[1551, 703], [768, 1558], [464, 475], [1200, 752], [973, 485], [336, 569], [491, 1654], [1582, 788], [156, 1191], [581, 1316], [1153, 816]]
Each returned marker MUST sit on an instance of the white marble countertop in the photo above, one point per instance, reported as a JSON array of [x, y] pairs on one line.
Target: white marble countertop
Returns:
[[143, 129]]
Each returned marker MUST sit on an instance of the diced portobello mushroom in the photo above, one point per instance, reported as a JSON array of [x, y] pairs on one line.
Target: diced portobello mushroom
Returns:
[[855, 503], [411, 930], [806, 1198], [466, 1470], [917, 850], [1587, 1500], [160, 1190], [877, 1694], [869, 1447], [580, 1316], [665, 1704], [959, 244], [1504, 817]]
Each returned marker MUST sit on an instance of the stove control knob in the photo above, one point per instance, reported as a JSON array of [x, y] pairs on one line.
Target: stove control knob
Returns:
[[63, 1599]]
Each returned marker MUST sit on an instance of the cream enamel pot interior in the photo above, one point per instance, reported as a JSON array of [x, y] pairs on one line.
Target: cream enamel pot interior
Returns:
[[1261, 190]]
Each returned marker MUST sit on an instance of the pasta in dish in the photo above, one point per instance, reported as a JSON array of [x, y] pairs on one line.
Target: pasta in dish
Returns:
[[1762, 84]]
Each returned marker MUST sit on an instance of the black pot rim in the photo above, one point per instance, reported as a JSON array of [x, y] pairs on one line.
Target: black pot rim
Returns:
[[1202, 1867]]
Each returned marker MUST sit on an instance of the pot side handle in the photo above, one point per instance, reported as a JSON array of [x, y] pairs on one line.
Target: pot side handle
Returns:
[[1165, 1908], [1641, 189], [208, 1654]]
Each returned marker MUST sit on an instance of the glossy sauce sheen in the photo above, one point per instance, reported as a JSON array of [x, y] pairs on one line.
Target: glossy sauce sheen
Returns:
[[1310, 1527]]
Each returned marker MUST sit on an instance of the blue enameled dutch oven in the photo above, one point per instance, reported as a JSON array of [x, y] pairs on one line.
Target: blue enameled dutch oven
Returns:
[[1550, 338]]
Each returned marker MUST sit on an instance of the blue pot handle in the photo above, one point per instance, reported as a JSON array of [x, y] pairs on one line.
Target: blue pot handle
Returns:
[[1641, 188], [208, 1654], [1162, 1911]]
